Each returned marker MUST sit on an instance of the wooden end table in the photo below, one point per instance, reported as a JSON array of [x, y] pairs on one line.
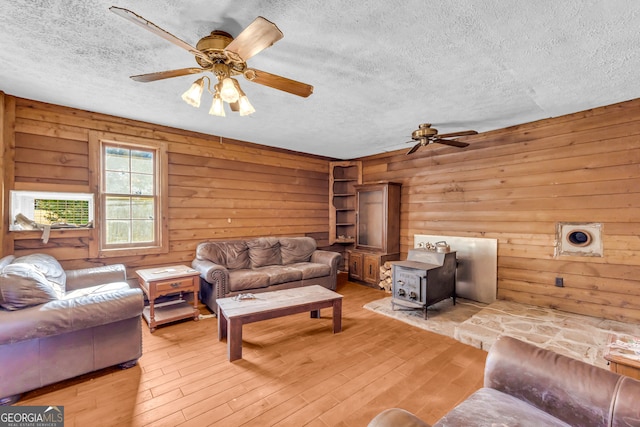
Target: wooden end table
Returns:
[[622, 361], [233, 312], [173, 279]]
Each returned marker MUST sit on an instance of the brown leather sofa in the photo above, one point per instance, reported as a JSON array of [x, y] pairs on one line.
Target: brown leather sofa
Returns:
[[57, 324], [232, 267], [528, 386]]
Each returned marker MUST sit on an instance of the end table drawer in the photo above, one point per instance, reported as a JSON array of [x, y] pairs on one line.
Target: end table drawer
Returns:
[[175, 285]]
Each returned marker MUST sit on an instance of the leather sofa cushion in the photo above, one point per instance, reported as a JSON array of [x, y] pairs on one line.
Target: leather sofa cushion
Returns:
[[264, 251], [245, 279], [542, 380], [116, 302], [231, 254], [488, 407], [281, 274], [296, 249], [311, 270], [96, 290], [22, 285]]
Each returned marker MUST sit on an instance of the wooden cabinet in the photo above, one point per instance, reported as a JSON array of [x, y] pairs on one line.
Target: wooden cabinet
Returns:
[[371, 268], [355, 265], [343, 178], [377, 238]]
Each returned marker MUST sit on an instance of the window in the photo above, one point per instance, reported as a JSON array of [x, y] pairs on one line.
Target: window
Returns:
[[131, 204], [31, 210]]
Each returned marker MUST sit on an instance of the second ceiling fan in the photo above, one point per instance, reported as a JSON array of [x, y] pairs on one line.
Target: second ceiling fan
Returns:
[[225, 57], [426, 135]]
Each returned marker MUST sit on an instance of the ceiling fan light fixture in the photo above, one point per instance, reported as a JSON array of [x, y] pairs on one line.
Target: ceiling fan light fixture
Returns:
[[228, 91], [217, 108], [194, 93]]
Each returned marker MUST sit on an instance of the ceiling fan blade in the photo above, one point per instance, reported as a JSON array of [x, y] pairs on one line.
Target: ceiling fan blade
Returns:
[[278, 82], [414, 148], [150, 26], [462, 133], [451, 142], [259, 35], [151, 77]]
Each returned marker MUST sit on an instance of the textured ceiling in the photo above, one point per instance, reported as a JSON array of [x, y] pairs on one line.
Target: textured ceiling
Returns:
[[379, 68]]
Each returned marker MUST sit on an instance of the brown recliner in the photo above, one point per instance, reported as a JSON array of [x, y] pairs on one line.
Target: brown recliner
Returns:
[[57, 324], [525, 385]]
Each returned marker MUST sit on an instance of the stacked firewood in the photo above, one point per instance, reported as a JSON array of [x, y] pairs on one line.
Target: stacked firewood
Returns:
[[386, 277]]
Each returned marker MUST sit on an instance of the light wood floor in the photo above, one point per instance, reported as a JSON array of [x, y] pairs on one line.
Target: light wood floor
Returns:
[[294, 372]]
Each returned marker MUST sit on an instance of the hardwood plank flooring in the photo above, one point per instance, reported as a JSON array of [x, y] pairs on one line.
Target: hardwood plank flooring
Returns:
[[294, 372]]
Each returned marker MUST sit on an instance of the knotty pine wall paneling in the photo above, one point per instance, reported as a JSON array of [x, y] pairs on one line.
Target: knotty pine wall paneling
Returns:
[[515, 184], [218, 188]]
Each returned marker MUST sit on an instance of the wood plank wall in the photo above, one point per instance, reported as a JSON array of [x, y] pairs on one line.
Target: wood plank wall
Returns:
[[515, 184], [218, 188]]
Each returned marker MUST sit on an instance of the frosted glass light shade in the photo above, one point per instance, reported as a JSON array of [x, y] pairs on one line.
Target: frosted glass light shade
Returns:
[[245, 106], [217, 108], [194, 93], [228, 91]]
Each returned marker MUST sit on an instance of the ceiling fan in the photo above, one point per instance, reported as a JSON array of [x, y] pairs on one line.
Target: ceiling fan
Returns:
[[426, 135], [225, 57]]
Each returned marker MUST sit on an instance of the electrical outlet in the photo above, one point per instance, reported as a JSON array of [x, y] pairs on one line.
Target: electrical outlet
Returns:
[[559, 282]]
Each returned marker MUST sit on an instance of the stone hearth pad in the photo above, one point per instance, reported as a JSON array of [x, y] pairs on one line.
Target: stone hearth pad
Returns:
[[581, 337]]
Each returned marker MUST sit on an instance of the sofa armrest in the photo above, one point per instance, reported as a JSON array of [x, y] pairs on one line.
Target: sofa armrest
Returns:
[[214, 274], [551, 382], [93, 276], [395, 417], [327, 257], [68, 315]]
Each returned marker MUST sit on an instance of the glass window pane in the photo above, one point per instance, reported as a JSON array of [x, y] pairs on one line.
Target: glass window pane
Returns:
[[117, 231], [141, 184], [117, 159], [117, 182], [142, 161], [142, 208], [142, 231], [118, 208], [370, 218], [130, 206], [49, 211]]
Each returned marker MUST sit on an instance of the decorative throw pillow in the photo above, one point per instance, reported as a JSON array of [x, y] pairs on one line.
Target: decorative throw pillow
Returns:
[[296, 249], [264, 251], [22, 285], [50, 267]]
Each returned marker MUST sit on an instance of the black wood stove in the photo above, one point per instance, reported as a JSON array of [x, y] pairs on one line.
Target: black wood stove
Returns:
[[425, 278]]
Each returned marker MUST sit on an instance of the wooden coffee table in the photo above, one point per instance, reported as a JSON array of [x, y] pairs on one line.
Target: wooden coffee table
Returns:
[[173, 279], [234, 312]]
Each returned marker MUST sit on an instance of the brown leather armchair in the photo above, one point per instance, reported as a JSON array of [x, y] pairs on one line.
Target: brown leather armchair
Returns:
[[90, 321], [528, 386]]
